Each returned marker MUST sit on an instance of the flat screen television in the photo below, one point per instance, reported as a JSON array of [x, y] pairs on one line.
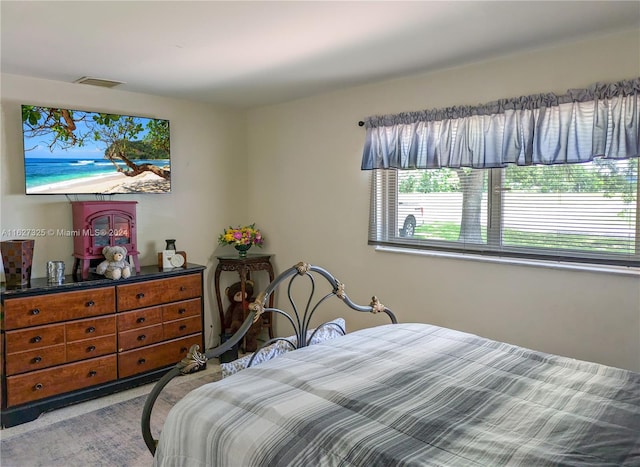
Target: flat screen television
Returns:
[[80, 152]]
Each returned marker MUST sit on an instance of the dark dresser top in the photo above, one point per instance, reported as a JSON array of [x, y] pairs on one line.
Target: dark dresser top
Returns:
[[41, 285]]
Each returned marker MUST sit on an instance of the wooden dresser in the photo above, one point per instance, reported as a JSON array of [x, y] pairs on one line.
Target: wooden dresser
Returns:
[[83, 339]]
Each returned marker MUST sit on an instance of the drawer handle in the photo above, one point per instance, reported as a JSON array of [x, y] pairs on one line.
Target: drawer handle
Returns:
[[140, 295], [92, 373], [91, 348], [142, 337], [36, 339], [35, 311], [142, 361], [38, 387], [91, 303], [182, 288], [91, 329], [183, 327], [182, 311], [183, 350], [140, 320], [36, 359]]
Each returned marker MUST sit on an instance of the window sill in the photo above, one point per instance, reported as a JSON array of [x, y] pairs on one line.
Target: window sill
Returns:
[[621, 270]]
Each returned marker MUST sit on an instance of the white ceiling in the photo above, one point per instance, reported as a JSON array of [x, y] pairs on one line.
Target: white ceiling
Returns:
[[252, 53]]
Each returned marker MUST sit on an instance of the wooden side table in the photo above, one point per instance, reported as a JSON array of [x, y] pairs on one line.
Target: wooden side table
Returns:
[[244, 267]]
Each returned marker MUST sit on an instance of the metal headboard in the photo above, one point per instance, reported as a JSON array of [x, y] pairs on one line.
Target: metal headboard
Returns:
[[299, 318]]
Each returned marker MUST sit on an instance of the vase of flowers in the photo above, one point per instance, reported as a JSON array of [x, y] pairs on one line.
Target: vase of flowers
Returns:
[[242, 238]]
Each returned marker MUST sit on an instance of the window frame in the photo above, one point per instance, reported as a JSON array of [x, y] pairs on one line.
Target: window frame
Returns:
[[384, 205]]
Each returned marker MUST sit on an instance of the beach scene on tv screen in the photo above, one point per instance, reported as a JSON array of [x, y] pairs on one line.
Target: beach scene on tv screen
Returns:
[[74, 152]]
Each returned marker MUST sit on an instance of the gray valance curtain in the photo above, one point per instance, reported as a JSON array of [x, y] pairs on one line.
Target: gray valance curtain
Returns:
[[600, 121]]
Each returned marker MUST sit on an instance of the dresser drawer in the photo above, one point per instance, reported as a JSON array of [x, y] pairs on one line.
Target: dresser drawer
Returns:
[[90, 348], [89, 328], [34, 338], [37, 359], [155, 356], [182, 309], [135, 338], [182, 327], [44, 383], [139, 318], [50, 308], [156, 292]]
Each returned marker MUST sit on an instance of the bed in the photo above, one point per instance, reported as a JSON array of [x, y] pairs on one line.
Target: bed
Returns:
[[398, 394]]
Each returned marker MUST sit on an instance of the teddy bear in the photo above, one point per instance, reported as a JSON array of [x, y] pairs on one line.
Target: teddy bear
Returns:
[[237, 312], [115, 266]]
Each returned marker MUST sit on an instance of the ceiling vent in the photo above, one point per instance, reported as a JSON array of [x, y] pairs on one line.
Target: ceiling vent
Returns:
[[103, 83]]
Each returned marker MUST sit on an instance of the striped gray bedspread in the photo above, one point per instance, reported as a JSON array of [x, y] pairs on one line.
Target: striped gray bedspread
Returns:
[[410, 395]]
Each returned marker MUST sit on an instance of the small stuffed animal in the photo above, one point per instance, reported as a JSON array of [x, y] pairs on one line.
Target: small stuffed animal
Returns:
[[237, 312], [115, 266]]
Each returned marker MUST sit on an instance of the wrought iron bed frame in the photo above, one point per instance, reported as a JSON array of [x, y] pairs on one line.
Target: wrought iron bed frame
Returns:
[[196, 360]]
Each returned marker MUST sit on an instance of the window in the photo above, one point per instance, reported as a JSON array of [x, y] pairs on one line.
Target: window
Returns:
[[571, 212], [545, 176]]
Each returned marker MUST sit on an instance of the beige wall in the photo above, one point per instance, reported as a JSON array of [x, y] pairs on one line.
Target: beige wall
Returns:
[[208, 162], [294, 170], [311, 199]]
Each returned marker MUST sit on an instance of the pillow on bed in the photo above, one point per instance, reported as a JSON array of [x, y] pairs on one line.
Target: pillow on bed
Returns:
[[331, 330]]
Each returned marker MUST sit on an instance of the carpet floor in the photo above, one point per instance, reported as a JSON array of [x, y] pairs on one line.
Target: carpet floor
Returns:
[[107, 436]]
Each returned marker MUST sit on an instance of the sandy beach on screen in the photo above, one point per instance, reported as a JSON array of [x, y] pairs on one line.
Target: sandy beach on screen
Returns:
[[113, 183]]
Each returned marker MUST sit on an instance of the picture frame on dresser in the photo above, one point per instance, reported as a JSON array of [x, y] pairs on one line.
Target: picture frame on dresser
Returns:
[[83, 339]]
